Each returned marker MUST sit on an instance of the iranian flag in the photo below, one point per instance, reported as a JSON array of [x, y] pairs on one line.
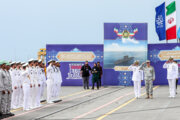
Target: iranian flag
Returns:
[[171, 21]]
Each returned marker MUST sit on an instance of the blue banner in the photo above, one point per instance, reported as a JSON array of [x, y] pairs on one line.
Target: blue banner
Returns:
[[123, 44], [158, 54], [72, 58], [136, 30], [160, 22]]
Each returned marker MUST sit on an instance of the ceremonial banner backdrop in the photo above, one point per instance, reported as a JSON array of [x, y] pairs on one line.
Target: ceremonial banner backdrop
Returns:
[[72, 57], [159, 54], [123, 44]]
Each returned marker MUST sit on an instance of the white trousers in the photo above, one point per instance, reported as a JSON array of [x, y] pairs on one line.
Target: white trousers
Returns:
[[33, 93], [59, 89], [26, 91], [43, 96], [137, 88], [35, 96], [56, 92], [38, 96], [49, 91], [31, 97], [172, 87], [15, 98], [20, 104]]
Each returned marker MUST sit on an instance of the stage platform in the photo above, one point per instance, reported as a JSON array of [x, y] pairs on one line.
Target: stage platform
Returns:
[[108, 103]]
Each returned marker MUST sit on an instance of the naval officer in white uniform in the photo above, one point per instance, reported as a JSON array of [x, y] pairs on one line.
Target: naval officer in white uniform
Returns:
[[13, 73], [136, 78], [172, 75], [50, 81], [26, 87]]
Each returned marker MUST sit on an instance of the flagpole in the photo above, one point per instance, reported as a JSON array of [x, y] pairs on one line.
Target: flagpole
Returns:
[[165, 22], [177, 40], [176, 24]]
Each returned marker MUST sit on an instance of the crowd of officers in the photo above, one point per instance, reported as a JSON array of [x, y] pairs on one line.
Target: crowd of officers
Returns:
[[146, 72], [24, 85], [96, 72]]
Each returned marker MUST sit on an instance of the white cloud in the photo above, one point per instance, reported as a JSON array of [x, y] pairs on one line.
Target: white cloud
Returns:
[[117, 47], [126, 40]]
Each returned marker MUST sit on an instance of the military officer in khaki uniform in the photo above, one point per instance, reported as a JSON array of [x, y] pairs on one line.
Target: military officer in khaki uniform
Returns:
[[5, 90], [9, 87], [149, 77], [2, 91]]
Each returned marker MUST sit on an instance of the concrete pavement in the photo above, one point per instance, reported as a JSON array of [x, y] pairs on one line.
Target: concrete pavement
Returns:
[[113, 102]]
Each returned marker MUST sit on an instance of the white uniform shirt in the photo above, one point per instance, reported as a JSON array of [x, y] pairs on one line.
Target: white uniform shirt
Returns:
[[18, 77], [50, 72], [35, 72], [172, 70], [40, 76], [13, 77], [43, 75], [56, 75], [55, 78], [59, 74], [137, 73], [31, 75], [25, 77]]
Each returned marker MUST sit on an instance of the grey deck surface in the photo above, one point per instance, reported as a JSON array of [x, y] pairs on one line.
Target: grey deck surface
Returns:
[[93, 104]]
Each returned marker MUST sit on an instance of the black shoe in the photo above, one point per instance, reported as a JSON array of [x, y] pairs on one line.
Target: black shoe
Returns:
[[1, 116], [43, 101], [10, 114], [56, 101], [4, 116]]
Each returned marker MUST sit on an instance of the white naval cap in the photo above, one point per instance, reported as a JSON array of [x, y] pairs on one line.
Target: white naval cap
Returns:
[[39, 60], [18, 62], [26, 64], [50, 61], [35, 60], [137, 61], [31, 60], [147, 61], [171, 58], [12, 63]]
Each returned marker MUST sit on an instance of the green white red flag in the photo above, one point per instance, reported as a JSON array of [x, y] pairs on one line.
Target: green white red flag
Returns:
[[171, 21]]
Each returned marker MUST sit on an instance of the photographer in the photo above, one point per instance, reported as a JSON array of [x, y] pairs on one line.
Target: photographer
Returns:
[[95, 76], [85, 69]]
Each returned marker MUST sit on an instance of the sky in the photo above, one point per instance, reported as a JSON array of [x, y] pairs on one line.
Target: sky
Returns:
[[119, 45], [28, 25]]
